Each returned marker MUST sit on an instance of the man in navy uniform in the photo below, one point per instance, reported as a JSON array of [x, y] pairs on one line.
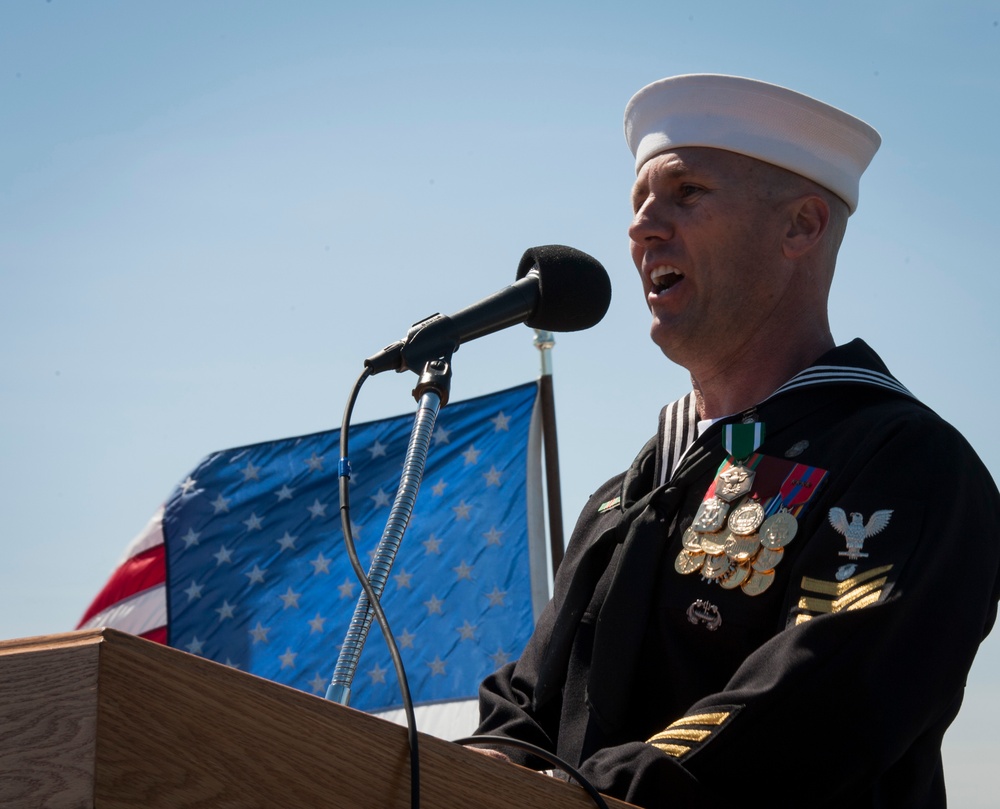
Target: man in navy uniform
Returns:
[[780, 600]]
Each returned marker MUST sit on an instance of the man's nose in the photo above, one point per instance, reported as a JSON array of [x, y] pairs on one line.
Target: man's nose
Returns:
[[651, 221]]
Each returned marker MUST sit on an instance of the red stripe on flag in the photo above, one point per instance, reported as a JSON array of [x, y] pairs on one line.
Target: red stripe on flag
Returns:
[[157, 635], [134, 575]]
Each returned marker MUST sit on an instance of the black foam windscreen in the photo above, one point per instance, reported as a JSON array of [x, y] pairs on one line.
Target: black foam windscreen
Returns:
[[574, 289]]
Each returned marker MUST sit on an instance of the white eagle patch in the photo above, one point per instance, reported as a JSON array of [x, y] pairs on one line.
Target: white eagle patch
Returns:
[[856, 531]]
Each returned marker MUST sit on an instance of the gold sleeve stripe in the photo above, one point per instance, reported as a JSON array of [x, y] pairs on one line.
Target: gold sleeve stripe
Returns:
[[869, 593], [670, 739], [687, 734], [801, 619], [675, 750], [866, 601], [845, 601], [831, 588], [702, 719]]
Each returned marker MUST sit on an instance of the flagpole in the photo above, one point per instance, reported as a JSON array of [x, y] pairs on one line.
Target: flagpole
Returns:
[[544, 341]]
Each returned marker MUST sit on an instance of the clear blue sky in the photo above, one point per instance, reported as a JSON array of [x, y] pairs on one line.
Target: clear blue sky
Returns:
[[211, 212]]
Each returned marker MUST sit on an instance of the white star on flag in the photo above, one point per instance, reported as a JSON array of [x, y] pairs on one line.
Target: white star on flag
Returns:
[[493, 536], [320, 564], [290, 598], [256, 576], [259, 633]]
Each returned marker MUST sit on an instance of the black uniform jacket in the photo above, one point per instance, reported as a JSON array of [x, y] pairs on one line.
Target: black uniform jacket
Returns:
[[833, 684]]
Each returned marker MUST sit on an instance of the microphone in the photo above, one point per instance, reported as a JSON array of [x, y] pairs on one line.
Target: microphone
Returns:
[[557, 289]]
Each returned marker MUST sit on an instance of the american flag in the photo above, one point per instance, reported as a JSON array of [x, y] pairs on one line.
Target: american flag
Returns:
[[245, 564]]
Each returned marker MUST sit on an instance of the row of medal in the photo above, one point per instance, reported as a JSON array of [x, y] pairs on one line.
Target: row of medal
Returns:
[[735, 545]]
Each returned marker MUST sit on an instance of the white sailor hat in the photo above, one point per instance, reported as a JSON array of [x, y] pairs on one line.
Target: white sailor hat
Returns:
[[756, 119]]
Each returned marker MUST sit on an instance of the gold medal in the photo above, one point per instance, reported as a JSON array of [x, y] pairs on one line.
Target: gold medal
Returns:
[[713, 544], [746, 518], [692, 541], [767, 559], [778, 530], [735, 577], [715, 566], [733, 483], [688, 562], [741, 549], [711, 516], [758, 582]]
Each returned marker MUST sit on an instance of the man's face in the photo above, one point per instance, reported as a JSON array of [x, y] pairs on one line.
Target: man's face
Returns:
[[706, 241]]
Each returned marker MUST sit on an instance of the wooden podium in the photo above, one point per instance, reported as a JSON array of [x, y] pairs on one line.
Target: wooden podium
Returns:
[[103, 719]]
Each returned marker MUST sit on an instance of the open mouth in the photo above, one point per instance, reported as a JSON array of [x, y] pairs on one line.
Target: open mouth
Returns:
[[663, 278]]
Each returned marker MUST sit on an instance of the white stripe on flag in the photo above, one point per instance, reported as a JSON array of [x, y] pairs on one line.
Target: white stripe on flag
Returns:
[[137, 615], [446, 720]]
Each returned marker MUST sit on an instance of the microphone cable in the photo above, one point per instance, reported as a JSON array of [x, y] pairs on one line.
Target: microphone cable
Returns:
[[542, 753], [373, 601]]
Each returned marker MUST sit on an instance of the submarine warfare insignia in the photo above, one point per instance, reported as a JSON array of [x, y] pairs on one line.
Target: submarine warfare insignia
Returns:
[[704, 612], [857, 530], [737, 540]]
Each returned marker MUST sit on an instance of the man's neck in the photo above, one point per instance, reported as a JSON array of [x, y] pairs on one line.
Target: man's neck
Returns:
[[752, 374]]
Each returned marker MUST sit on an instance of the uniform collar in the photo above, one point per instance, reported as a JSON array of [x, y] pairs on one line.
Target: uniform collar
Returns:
[[854, 363]]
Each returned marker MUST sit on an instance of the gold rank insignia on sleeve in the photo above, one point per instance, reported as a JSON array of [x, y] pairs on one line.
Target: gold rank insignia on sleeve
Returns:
[[690, 732], [822, 597]]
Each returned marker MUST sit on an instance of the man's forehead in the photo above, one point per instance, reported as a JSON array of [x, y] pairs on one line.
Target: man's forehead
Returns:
[[688, 160]]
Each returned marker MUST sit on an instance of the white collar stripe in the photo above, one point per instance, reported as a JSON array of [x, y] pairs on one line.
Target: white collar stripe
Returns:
[[828, 374], [680, 431]]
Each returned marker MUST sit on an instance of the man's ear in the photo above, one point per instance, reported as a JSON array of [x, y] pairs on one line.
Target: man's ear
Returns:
[[808, 219]]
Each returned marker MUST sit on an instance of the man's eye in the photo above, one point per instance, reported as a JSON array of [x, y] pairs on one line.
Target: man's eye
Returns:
[[687, 191]]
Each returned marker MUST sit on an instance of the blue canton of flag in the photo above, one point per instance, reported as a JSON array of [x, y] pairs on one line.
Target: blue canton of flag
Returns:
[[258, 578]]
